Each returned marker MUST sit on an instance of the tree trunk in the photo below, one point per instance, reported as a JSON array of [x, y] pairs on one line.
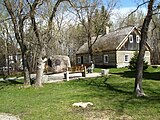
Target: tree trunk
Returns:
[[40, 68], [6, 57], [90, 50], [26, 70], [41, 37], [25, 64], [33, 65], [19, 35], [144, 35]]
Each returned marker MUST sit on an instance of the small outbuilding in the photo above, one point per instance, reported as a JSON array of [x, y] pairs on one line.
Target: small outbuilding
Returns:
[[114, 49], [57, 64]]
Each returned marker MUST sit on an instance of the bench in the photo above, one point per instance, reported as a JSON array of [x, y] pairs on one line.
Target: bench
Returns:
[[75, 69], [89, 67]]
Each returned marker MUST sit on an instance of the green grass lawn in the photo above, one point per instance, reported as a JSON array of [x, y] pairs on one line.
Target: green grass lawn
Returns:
[[113, 99]]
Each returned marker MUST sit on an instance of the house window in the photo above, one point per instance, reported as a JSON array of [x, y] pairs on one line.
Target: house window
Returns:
[[106, 59], [79, 60], [126, 58], [10, 57], [131, 38], [137, 39]]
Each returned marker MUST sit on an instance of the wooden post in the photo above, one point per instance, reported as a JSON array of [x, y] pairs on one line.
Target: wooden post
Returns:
[[84, 73], [67, 75]]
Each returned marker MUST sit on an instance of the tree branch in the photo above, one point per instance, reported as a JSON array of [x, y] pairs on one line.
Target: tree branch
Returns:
[[138, 7], [32, 16], [53, 14]]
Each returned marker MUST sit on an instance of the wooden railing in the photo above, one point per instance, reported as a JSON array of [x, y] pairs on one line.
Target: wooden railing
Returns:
[[75, 69]]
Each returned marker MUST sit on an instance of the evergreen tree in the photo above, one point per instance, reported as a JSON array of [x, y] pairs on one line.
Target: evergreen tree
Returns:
[[133, 62]]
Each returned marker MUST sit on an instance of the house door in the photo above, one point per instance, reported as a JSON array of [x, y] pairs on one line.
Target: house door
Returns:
[[81, 59]]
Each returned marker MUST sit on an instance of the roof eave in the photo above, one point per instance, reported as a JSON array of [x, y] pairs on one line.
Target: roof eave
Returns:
[[124, 40]]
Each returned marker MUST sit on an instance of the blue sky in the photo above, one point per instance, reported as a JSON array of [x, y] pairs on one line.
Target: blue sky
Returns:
[[127, 3], [126, 6]]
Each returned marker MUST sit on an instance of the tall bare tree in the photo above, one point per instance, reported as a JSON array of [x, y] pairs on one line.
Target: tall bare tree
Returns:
[[86, 11], [144, 36], [135, 19], [16, 10], [44, 36], [6, 35]]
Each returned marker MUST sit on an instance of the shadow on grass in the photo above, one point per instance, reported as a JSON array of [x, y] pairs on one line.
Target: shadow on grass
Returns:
[[147, 75], [102, 82], [124, 95], [7, 83]]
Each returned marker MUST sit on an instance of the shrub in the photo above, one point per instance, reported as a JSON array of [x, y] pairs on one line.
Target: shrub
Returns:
[[133, 64]]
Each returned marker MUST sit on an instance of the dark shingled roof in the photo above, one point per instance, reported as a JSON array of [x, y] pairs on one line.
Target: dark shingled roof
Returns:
[[109, 41]]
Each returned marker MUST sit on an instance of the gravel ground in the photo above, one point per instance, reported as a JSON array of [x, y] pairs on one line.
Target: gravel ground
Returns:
[[5, 116], [74, 76], [49, 78]]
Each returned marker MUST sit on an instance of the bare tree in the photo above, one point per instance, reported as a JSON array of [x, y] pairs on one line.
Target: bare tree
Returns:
[[86, 11], [135, 19], [16, 10], [144, 36], [8, 42], [21, 10], [42, 37], [59, 42]]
